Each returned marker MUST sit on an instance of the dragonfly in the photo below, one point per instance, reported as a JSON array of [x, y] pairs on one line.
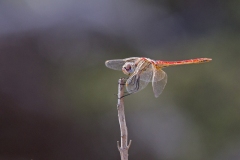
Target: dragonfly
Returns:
[[142, 70]]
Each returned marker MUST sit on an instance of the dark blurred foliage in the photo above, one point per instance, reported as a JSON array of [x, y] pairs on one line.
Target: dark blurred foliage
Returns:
[[57, 97]]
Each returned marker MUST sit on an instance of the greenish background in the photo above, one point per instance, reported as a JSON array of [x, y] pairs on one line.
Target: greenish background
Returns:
[[57, 97]]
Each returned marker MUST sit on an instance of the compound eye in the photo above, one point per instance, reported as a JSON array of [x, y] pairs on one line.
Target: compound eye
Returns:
[[128, 67]]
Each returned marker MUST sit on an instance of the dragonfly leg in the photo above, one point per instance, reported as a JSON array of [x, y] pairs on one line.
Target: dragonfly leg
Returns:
[[134, 82], [125, 79], [125, 95]]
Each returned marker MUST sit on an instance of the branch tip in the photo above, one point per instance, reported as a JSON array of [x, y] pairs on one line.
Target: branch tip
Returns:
[[118, 145], [130, 142]]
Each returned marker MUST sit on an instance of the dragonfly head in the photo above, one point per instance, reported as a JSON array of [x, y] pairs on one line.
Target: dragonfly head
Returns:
[[128, 68]]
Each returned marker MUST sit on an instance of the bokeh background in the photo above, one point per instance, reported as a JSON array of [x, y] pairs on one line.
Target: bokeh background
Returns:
[[57, 97]]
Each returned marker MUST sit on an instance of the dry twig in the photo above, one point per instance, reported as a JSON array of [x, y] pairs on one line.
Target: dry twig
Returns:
[[123, 149]]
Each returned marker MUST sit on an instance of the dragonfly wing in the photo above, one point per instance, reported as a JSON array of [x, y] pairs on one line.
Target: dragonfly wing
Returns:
[[134, 84], [159, 81], [147, 73], [117, 64], [140, 77]]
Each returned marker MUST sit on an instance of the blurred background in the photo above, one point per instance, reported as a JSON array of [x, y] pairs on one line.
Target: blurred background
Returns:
[[57, 97]]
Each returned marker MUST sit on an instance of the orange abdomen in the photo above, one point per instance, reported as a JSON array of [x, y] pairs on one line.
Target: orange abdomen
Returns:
[[190, 61]]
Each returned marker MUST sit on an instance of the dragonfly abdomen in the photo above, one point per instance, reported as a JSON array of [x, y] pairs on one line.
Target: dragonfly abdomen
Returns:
[[182, 62]]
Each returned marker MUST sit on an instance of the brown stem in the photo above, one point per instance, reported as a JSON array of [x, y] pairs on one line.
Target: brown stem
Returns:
[[123, 149]]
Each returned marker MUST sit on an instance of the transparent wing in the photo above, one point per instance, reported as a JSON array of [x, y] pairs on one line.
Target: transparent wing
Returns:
[[140, 78], [134, 84], [117, 64], [146, 73], [159, 81]]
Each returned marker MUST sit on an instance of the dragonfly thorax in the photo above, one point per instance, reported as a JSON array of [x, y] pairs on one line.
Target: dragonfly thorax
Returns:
[[128, 68]]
